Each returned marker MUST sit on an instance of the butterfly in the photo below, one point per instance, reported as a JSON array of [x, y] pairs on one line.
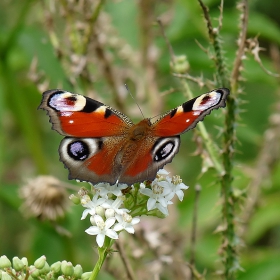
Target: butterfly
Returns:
[[102, 144]]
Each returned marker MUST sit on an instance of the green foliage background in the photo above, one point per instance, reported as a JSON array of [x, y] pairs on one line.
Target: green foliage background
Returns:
[[28, 147]]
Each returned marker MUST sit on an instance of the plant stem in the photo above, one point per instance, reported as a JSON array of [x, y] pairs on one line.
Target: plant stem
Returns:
[[102, 254], [229, 242]]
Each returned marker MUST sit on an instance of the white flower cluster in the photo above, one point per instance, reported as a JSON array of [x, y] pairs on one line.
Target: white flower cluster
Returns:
[[116, 218], [107, 216], [162, 191]]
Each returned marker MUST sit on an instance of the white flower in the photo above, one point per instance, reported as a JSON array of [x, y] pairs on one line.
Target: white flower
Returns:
[[162, 172], [109, 213], [126, 222], [142, 186], [160, 196], [102, 229], [177, 186], [115, 205], [91, 205], [162, 209], [105, 188]]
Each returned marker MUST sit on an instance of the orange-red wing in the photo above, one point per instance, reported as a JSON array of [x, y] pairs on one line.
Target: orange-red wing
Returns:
[[186, 116], [80, 116]]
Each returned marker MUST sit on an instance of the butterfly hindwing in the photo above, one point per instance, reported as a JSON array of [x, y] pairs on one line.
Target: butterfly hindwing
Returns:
[[186, 116], [92, 159], [79, 116], [149, 157]]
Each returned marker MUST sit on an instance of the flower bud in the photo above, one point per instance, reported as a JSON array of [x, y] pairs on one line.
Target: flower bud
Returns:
[[25, 261], [99, 210], [50, 276], [40, 263], [67, 268], [78, 271], [45, 269], [5, 276], [181, 64], [76, 200], [34, 272], [56, 267], [17, 264], [86, 275], [109, 213], [5, 262]]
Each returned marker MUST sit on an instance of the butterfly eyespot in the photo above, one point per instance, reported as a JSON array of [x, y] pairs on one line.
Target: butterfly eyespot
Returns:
[[164, 151], [78, 150], [166, 148]]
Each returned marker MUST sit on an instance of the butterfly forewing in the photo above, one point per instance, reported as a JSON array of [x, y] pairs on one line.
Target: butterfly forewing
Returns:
[[186, 116], [79, 116]]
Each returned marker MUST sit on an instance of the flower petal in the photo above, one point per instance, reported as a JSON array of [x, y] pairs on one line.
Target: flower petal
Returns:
[[169, 196], [118, 227], [162, 201], [146, 191], [162, 209], [98, 219], [93, 230], [151, 204], [183, 186], [109, 222], [112, 234], [100, 239], [85, 213], [135, 221], [162, 172], [129, 229], [180, 194]]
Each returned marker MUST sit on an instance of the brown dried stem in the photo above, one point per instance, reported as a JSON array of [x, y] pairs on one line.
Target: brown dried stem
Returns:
[[194, 228], [149, 53], [243, 5], [126, 263], [108, 70]]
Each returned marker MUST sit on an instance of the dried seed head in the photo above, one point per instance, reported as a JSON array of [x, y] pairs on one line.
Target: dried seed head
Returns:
[[45, 198]]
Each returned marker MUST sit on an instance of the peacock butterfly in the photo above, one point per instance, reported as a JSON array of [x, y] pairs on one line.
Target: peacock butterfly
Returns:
[[104, 145]]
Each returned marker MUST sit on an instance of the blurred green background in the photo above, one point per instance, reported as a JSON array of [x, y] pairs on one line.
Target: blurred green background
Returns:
[[35, 55]]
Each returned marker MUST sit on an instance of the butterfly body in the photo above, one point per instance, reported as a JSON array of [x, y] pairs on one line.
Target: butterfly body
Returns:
[[103, 145]]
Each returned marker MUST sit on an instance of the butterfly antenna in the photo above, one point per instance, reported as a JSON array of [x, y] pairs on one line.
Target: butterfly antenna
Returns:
[[134, 100]]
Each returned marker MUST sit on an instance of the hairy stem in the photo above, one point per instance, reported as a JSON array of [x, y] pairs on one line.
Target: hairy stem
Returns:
[[241, 45], [229, 238]]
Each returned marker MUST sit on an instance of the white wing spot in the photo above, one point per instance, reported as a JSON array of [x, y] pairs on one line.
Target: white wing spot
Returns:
[[59, 102], [196, 113], [214, 98]]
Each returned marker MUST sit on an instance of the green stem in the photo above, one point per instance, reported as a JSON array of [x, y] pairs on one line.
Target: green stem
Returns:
[[102, 254], [230, 258], [229, 236]]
